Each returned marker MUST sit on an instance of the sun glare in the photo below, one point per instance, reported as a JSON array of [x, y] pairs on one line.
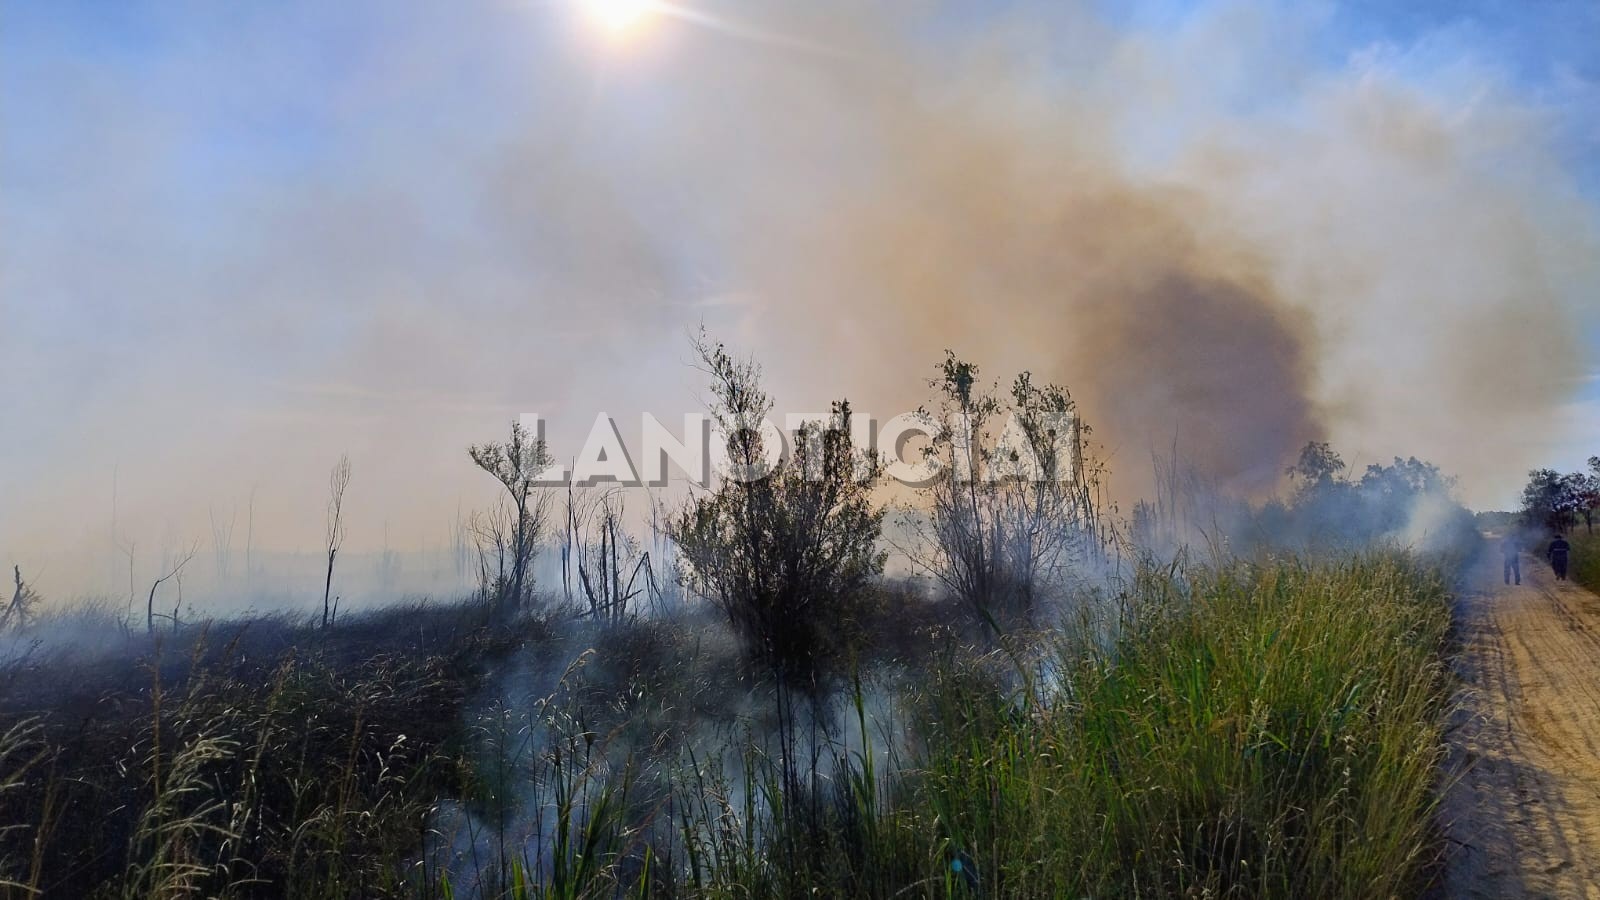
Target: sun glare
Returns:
[[617, 17]]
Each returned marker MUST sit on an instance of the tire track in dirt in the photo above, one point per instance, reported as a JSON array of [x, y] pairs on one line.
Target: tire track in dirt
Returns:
[[1522, 809]]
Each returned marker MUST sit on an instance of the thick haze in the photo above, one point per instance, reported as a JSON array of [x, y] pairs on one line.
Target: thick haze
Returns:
[[235, 243]]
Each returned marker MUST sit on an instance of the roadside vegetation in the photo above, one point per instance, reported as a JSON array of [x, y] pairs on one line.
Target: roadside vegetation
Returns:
[[1245, 703], [1566, 504], [1585, 560]]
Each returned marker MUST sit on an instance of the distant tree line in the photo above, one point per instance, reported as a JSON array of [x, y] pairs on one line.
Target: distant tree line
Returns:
[[1407, 499], [1558, 502], [1327, 509]]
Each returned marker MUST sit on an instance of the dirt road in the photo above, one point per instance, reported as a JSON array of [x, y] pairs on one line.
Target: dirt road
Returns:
[[1524, 819]]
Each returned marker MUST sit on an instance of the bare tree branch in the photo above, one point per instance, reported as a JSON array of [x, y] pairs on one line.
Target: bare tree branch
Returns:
[[150, 604], [338, 480]]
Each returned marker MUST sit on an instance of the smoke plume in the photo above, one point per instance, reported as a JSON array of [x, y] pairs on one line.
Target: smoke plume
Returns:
[[1216, 237]]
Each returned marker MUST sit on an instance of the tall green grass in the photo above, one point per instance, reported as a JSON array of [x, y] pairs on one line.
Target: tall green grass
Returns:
[[1257, 731], [1584, 560]]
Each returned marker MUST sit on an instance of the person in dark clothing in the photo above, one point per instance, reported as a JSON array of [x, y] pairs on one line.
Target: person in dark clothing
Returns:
[[1558, 556], [1511, 553]]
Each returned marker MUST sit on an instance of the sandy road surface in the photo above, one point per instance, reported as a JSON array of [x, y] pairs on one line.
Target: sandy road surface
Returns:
[[1524, 818]]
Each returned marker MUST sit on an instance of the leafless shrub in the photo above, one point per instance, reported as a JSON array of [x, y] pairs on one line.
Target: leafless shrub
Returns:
[[24, 603], [174, 571], [609, 567], [1010, 514]]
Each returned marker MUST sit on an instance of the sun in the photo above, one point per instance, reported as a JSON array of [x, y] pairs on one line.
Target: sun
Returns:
[[617, 17]]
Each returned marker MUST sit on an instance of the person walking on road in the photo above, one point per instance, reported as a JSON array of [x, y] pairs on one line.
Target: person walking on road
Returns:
[[1558, 556], [1511, 554]]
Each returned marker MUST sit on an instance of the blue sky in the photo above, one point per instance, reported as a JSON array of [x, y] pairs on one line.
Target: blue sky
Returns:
[[238, 238]]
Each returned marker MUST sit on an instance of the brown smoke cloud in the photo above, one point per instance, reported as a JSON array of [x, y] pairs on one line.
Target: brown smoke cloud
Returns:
[[1386, 264], [1018, 251]]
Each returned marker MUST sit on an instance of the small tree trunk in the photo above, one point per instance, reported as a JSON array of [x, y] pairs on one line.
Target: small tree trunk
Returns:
[[617, 600], [15, 609], [519, 561], [327, 587]]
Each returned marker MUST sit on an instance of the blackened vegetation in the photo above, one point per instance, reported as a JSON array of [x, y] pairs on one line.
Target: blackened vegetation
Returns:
[[269, 758]]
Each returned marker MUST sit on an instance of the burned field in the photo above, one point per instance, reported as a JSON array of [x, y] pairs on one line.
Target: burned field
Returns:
[[333, 566], [1058, 702]]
